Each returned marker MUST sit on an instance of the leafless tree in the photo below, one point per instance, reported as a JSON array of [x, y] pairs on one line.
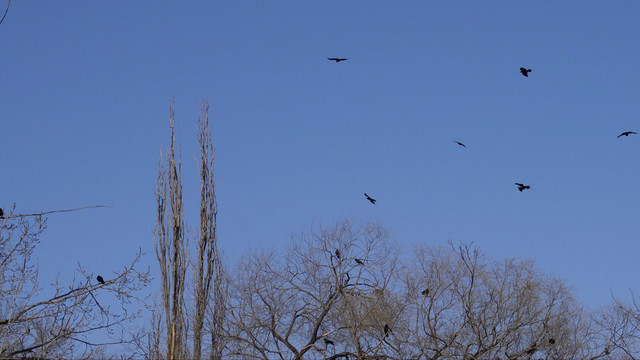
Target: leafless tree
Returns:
[[286, 306], [450, 302], [66, 323], [171, 249], [208, 269]]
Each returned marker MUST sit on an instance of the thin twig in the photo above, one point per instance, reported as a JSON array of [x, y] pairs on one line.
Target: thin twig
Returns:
[[5, 12], [56, 211]]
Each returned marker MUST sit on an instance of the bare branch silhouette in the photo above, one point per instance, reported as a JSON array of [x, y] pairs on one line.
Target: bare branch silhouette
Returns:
[[5, 12]]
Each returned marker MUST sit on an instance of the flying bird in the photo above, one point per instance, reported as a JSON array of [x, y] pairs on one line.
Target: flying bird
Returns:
[[459, 143], [627, 133], [387, 330], [522, 187], [425, 292], [372, 200], [337, 60], [338, 254], [359, 261], [100, 279], [525, 72], [328, 342]]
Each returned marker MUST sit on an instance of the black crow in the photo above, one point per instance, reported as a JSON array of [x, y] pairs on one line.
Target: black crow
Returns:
[[387, 330], [425, 292], [627, 133], [100, 279], [525, 72], [459, 143], [372, 200], [606, 350], [552, 341], [522, 187], [338, 254], [337, 60], [1, 212], [359, 261], [328, 342]]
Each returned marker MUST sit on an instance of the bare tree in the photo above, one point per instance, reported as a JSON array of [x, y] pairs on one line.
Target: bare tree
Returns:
[[340, 293], [207, 262], [171, 249], [67, 322], [287, 306]]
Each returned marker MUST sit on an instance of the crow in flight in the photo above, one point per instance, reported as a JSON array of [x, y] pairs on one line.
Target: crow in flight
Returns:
[[372, 200], [522, 187], [359, 261], [387, 330], [525, 72], [328, 342], [338, 254], [627, 133], [459, 143], [100, 279], [425, 292], [337, 60]]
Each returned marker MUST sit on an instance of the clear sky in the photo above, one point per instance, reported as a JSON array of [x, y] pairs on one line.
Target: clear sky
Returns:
[[85, 88]]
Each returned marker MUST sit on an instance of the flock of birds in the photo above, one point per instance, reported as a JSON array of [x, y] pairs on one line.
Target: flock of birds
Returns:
[[521, 187], [525, 72]]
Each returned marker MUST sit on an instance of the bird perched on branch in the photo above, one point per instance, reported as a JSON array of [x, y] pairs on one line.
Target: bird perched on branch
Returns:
[[525, 72], [425, 292], [372, 200], [387, 330], [1, 213], [627, 133], [522, 186], [100, 279], [337, 60], [338, 254], [359, 261], [328, 342]]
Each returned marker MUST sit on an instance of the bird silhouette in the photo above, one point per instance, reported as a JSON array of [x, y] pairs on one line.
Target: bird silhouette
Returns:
[[337, 60], [387, 330], [328, 342], [100, 279], [522, 187], [627, 133], [359, 261], [552, 341], [459, 143], [525, 72], [372, 200], [1, 213], [425, 292], [338, 254]]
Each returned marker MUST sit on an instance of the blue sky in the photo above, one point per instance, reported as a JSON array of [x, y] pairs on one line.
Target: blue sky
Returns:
[[84, 103]]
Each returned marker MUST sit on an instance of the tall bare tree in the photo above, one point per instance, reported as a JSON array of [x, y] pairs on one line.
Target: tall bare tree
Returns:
[[207, 262], [171, 248], [67, 323]]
